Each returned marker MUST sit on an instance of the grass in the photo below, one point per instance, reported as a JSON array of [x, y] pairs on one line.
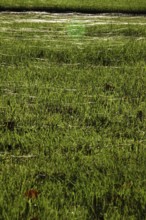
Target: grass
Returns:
[[132, 6], [72, 117]]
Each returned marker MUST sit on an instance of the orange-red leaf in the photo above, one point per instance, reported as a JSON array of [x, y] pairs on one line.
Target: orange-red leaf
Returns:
[[31, 194]]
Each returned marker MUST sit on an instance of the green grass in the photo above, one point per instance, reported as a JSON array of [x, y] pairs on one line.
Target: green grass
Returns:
[[85, 5], [72, 117]]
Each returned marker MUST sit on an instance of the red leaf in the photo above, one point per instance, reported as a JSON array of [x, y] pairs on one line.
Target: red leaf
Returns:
[[31, 194]]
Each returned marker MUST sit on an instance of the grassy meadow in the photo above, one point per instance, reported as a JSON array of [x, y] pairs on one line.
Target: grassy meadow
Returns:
[[72, 117], [130, 6]]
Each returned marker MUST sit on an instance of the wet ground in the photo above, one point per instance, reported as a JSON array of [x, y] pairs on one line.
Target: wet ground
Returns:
[[87, 19], [58, 29]]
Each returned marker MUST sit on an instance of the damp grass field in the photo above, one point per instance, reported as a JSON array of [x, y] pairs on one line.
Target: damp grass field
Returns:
[[129, 6], [72, 117]]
